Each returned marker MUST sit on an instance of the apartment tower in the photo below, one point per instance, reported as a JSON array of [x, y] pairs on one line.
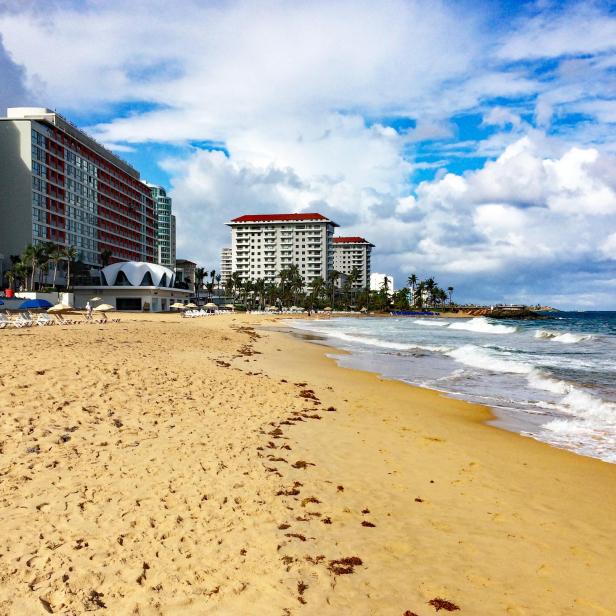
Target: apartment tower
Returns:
[[353, 253], [59, 185], [264, 244], [165, 238], [226, 264]]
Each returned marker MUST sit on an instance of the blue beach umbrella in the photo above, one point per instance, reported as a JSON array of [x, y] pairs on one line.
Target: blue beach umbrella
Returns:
[[30, 304], [1, 302]]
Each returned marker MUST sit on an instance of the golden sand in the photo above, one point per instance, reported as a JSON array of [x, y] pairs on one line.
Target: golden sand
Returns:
[[170, 466]]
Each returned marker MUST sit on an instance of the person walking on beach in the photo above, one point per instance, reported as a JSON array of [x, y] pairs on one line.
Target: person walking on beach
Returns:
[[88, 311]]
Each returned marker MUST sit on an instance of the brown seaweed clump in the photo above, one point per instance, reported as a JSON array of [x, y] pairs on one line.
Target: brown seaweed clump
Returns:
[[443, 604], [344, 566]]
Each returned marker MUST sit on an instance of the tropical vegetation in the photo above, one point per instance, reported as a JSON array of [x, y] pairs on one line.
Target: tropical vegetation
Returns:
[[30, 270]]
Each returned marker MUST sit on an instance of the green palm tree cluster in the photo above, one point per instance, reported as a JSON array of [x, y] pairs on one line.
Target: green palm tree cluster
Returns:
[[427, 293], [32, 267], [339, 291]]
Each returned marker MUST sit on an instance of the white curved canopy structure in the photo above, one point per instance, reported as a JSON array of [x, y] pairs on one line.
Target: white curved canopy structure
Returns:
[[137, 274]]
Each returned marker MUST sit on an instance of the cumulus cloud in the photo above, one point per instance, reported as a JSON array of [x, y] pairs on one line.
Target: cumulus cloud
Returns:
[[12, 88], [521, 218]]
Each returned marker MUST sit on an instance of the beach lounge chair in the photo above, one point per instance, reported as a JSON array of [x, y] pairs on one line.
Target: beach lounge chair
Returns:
[[43, 319], [4, 321], [22, 320]]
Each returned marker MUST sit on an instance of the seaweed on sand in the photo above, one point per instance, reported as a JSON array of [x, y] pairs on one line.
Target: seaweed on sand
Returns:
[[344, 566]]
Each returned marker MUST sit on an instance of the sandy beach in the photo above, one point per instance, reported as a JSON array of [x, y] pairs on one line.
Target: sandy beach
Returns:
[[212, 466]]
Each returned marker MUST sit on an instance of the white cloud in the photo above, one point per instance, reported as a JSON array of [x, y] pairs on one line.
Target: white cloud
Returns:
[[501, 116], [583, 28]]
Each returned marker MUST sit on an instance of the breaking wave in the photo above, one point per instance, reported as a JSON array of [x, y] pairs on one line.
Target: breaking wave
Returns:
[[483, 326], [477, 357], [563, 338]]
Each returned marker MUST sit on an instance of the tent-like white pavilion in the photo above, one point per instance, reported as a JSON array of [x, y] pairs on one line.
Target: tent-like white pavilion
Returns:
[[134, 285]]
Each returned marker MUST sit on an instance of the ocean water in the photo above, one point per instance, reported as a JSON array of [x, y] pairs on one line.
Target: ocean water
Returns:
[[553, 379]]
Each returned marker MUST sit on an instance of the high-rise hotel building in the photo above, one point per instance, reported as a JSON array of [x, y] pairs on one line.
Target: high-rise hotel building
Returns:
[[353, 253], [57, 184], [226, 264], [264, 244], [165, 237]]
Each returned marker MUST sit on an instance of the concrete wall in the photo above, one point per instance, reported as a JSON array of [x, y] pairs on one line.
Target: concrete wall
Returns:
[[15, 188]]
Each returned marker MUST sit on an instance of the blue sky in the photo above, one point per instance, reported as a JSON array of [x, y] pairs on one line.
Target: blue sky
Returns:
[[469, 141]]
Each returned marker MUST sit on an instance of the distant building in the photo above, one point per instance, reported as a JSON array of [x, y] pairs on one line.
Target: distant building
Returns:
[[353, 253], [377, 280], [226, 264], [173, 242], [59, 185], [165, 237], [264, 244], [185, 271]]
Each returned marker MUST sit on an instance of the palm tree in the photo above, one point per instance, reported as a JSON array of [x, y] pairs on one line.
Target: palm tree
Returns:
[[70, 254], [419, 296], [332, 279], [352, 279], [430, 286], [200, 274], [235, 284], [259, 288], [317, 286], [33, 255], [10, 277], [55, 254], [218, 279], [105, 257], [296, 282], [385, 286], [412, 280], [450, 291], [21, 271]]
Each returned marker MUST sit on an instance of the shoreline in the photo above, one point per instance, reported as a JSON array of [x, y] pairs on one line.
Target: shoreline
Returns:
[[203, 466]]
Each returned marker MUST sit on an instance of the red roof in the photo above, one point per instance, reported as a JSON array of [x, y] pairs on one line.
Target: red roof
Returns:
[[278, 217], [351, 240]]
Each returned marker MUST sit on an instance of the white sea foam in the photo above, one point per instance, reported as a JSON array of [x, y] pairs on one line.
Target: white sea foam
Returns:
[[481, 325], [563, 338], [589, 407], [477, 357], [431, 322], [376, 342], [539, 380]]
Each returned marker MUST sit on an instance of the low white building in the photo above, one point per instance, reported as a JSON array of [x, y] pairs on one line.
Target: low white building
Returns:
[[377, 280], [134, 285]]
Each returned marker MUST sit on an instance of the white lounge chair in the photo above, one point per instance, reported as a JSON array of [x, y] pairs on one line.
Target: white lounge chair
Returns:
[[23, 320], [43, 319]]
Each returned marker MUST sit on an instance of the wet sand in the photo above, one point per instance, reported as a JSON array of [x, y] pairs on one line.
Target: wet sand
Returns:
[[208, 466]]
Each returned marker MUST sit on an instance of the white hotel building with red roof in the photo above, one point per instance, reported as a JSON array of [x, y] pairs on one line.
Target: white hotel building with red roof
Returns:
[[353, 253], [264, 244]]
